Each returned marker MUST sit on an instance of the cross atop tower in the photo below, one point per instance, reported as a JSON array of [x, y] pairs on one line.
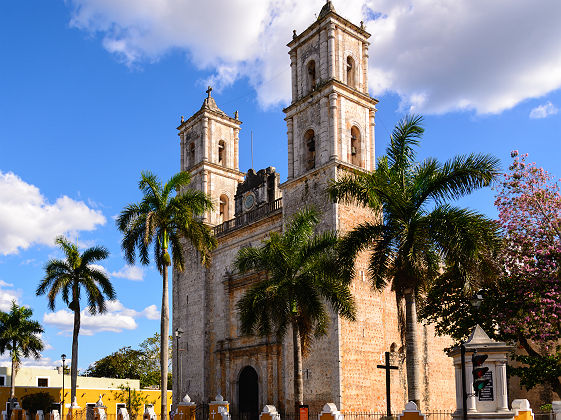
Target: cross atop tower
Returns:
[[208, 91]]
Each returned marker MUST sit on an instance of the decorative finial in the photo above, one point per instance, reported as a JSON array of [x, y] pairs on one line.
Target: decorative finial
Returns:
[[294, 34], [99, 402], [186, 398], [236, 115], [182, 119], [219, 398], [361, 24], [208, 91]]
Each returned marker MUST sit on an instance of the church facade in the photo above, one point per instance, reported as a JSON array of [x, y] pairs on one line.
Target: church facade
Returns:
[[330, 130]]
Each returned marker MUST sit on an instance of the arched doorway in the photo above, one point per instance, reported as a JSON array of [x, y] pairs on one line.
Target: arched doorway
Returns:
[[248, 394]]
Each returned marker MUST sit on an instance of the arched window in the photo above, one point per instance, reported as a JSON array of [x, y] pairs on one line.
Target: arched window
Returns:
[[191, 154], [355, 146], [224, 213], [222, 153], [311, 75], [351, 70], [310, 147]]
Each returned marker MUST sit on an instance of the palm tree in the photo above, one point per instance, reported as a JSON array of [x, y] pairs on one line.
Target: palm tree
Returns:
[[20, 336], [166, 220], [68, 278], [415, 232], [301, 273]]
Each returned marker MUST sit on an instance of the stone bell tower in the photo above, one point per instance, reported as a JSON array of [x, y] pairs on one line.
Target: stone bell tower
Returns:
[[331, 117], [330, 128], [209, 151]]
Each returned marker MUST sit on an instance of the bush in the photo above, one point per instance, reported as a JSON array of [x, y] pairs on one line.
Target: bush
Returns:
[[39, 401]]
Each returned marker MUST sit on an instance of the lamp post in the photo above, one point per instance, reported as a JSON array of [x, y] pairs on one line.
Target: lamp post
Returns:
[[475, 302], [63, 357], [178, 333]]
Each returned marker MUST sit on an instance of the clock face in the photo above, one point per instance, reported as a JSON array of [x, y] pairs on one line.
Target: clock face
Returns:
[[249, 201]]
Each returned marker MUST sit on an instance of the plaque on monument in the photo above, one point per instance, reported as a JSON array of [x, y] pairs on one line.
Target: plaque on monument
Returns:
[[486, 393]]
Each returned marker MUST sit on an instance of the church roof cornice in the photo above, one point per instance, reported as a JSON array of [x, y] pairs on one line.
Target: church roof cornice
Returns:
[[324, 18], [329, 86], [210, 109]]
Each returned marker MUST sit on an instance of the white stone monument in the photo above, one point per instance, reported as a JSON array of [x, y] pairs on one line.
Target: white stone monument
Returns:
[[149, 412], [269, 413], [492, 402], [122, 413], [330, 412]]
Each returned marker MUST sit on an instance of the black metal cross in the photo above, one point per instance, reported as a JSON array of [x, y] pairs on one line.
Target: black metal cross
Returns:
[[388, 367]]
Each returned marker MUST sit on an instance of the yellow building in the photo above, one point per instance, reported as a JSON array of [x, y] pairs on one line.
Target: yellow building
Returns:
[[88, 389]]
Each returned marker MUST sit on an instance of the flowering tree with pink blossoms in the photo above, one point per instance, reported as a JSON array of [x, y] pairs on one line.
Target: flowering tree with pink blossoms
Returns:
[[522, 300], [529, 205]]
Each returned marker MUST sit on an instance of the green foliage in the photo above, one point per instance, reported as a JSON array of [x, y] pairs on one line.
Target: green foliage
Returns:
[[537, 369], [167, 217], [413, 232], [299, 274], [136, 401], [128, 363], [19, 334], [38, 401], [69, 279]]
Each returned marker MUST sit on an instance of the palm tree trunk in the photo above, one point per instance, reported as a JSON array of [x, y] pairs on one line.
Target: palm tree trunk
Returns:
[[164, 336], [412, 349], [14, 373], [74, 361], [298, 382]]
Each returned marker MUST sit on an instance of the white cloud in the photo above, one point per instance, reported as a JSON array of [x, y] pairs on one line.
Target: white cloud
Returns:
[[7, 295], [544, 110], [27, 218], [116, 319], [130, 272], [438, 56], [151, 312], [43, 362]]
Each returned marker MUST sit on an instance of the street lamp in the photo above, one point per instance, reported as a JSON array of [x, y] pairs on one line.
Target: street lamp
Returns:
[[178, 333], [63, 357]]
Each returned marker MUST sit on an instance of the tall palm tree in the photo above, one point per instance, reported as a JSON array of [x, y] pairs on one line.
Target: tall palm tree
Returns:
[[301, 273], [415, 232], [71, 276], [20, 336], [166, 220]]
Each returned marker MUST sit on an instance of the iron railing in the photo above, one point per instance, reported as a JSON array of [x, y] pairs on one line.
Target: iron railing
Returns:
[[248, 218]]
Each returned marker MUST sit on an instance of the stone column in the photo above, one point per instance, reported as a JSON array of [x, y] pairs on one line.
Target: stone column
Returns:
[[502, 400], [331, 51], [333, 125], [293, 65], [471, 403], [204, 145], [182, 150], [365, 67], [236, 149], [458, 377], [372, 142], [290, 135]]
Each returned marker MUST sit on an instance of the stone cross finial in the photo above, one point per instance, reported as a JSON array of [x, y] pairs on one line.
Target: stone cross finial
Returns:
[[236, 114], [208, 91], [99, 402], [361, 24], [182, 119], [294, 34]]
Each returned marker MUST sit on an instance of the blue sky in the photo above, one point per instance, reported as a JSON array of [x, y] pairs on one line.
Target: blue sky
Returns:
[[91, 93]]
